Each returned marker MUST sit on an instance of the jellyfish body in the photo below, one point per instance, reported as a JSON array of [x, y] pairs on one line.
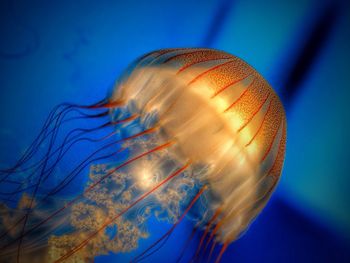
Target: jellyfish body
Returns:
[[205, 136], [221, 114]]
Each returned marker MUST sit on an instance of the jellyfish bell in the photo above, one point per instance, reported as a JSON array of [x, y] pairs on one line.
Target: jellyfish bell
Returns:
[[195, 124], [220, 113]]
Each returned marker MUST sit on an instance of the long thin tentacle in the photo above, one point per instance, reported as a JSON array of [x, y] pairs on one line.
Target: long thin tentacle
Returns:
[[143, 255]]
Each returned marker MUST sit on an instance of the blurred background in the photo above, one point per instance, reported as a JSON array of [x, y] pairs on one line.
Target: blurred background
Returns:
[[58, 51]]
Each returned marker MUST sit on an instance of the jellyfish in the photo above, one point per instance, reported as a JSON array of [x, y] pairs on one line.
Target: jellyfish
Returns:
[[189, 133]]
